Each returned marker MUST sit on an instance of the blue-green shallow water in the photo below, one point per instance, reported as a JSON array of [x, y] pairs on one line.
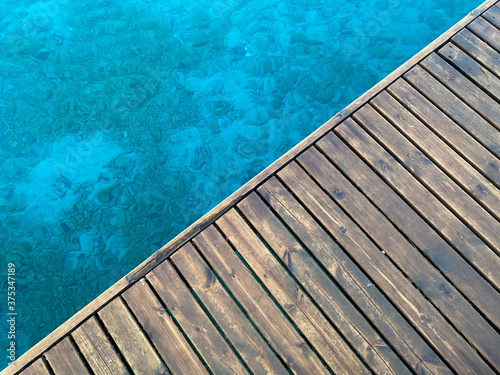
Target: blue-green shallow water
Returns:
[[122, 122]]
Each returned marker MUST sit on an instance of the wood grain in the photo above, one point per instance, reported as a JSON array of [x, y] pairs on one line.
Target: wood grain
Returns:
[[471, 68], [37, 368], [354, 282], [297, 304], [458, 111], [461, 86], [486, 31], [209, 342], [271, 322], [424, 162], [130, 339], [419, 232], [422, 314], [162, 331], [64, 359], [420, 199], [97, 349], [232, 321], [367, 342], [415, 266]]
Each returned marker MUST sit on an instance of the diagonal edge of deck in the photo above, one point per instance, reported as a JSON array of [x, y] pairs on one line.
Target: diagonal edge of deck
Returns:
[[164, 252]]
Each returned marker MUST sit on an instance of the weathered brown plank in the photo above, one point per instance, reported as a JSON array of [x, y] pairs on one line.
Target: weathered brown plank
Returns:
[[64, 359], [37, 368], [231, 320], [486, 31], [162, 331], [354, 282], [427, 171], [264, 313], [97, 350], [481, 51], [132, 342], [430, 281], [298, 305], [459, 112], [419, 311], [454, 136], [365, 340], [471, 68], [462, 87], [207, 340], [493, 16], [470, 282], [421, 200]]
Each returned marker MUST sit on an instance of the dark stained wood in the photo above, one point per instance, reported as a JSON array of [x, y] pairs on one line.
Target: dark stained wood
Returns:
[[374, 350], [454, 136], [486, 31], [190, 316], [64, 359], [162, 331], [493, 16], [415, 266], [478, 49], [97, 349], [471, 68], [130, 339], [298, 305], [461, 86], [231, 320], [419, 311], [427, 172], [418, 231], [37, 368], [260, 308], [421, 200], [354, 282], [449, 105]]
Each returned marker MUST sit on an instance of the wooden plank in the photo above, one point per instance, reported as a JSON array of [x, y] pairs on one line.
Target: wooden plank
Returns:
[[459, 112], [415, 266], [454, 136], [443, 256], [297, 304], [162, 331], [493, 16], [37, 368], [130, 339], [427, 171], [478, 49], [418, 310], [354, 282], [462, 87], [205, 337], [421, 200], [374, 350], [64, 359], [165, 251], [231, 320], [471, 68], [260, 308], [97, 349], [486, 31]]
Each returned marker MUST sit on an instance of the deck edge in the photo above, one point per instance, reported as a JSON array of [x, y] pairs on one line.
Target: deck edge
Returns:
[[199, 225]]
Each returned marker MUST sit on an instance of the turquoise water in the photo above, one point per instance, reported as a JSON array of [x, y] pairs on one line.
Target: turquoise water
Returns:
[[122, 122]]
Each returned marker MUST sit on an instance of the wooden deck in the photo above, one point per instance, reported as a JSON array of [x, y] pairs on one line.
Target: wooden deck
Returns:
[[371, 247]]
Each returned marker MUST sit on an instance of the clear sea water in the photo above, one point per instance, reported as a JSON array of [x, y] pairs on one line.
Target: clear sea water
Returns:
[[122, 121]]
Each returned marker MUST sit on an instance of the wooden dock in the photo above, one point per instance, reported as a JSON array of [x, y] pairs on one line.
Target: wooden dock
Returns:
[[373, 246]]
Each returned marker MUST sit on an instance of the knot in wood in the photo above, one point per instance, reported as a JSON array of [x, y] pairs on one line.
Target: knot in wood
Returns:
[[305, 348]]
